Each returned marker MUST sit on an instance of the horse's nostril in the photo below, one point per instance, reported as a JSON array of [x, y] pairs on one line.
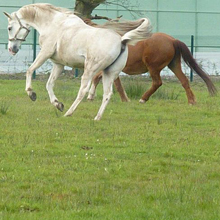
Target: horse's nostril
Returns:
[[15, 49]]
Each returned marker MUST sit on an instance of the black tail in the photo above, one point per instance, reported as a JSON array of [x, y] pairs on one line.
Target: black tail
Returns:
[[184, 51]]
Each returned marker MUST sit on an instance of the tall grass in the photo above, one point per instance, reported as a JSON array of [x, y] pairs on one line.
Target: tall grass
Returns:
[[4, 107], [166, 94], [136, 88]]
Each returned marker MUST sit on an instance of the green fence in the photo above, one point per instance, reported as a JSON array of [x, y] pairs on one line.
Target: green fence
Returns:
[[180, 19]]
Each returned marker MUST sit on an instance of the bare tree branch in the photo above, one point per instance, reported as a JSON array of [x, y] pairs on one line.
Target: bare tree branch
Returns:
[[129, 5], [84, 8], [106, 18], [100, 17]]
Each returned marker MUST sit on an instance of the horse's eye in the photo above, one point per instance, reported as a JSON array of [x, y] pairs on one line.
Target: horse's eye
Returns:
[[9, 28]]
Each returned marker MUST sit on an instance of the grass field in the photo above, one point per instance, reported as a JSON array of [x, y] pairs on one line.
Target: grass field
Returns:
[[153, 161]]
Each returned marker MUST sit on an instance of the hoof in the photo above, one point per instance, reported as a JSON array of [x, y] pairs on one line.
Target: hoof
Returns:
[[67, 115], [126, 100], [142, 101], [97, 118], [89, 99], [192, 103], [60, 106], [33, 96]]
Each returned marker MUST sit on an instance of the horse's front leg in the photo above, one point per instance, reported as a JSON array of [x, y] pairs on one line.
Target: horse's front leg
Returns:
[[40, 59], [57, 69]]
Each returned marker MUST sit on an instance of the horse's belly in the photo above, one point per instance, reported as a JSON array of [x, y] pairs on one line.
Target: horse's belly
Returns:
[[69, 60], [135, 68]]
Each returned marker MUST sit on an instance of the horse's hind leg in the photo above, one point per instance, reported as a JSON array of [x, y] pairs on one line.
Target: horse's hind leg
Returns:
[[57, 69], [84, 88], [175, 66], [107, 79], [95, 81], [117, 83], [156, 83]]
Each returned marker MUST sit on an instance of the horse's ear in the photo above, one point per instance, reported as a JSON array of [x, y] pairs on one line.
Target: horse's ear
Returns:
[[8, 15]]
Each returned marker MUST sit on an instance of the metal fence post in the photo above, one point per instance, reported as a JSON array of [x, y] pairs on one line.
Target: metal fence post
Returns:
[[34, 50], [76, 72], [192, 48]]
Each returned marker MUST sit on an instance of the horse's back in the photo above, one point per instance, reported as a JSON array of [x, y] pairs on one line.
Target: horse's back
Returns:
[[103, 39], [87, 43], [155, 52]]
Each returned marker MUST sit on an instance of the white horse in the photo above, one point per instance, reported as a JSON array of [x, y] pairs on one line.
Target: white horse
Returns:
[[68, 41]]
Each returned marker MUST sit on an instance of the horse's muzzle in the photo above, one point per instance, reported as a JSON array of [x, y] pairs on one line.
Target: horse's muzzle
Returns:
[[13, 50]]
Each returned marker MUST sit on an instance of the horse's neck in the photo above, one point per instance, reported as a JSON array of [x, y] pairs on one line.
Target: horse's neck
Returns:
[[33, 22], [45, 21]]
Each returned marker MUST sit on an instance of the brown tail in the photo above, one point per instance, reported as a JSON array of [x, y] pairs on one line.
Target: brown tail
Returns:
[[182, 49]]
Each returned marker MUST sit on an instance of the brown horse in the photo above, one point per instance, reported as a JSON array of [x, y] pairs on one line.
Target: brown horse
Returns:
[[152, 55]]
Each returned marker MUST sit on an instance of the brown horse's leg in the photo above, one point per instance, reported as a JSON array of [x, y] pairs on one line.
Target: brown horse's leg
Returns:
[[156, 83], [121, 91], [95, 81], [176, 68]]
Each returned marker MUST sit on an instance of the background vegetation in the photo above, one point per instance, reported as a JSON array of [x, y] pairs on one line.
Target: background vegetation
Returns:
[[160, 160]]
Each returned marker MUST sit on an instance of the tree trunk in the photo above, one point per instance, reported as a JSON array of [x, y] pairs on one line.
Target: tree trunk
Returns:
[[84, 8]]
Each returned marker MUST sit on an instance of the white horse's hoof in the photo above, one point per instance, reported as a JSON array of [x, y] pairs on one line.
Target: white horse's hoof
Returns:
[[97, 118], [90, 97], [142, 101], [67, 114]]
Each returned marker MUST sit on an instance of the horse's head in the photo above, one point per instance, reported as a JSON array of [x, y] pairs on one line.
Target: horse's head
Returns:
[[17, 32]]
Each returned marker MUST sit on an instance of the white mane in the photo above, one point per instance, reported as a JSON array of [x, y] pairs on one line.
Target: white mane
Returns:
[[30, 12]]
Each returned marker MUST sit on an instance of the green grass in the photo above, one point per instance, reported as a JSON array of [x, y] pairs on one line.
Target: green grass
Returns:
[[4, 107], [156, 161], [136, 86]]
